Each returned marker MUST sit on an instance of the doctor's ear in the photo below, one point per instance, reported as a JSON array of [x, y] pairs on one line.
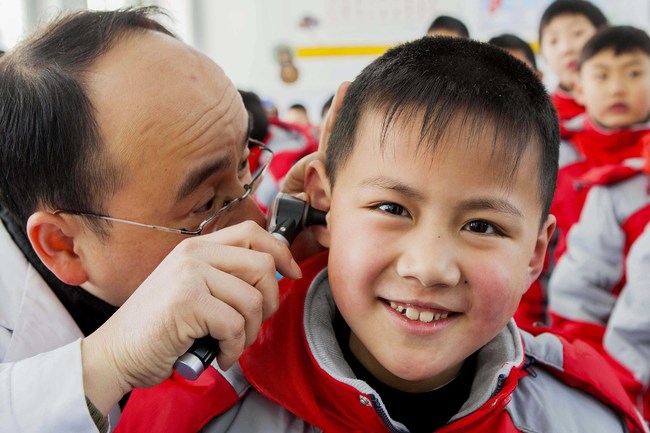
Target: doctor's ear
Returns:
[[52, 238], [317, 188]]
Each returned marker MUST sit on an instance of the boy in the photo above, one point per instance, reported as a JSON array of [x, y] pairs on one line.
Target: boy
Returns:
[[518, 48], [599, 290], [564, 28], [614, 86], [405, 325], [445, 25]]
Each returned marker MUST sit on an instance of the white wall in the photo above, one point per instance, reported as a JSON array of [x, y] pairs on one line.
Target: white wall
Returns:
[[242, 35]]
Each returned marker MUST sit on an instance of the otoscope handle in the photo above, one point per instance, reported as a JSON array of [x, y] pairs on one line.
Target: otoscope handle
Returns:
[[205, 349], [197, 358], [290, 216]]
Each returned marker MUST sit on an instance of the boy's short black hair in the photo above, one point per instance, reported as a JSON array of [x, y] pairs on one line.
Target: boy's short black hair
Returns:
[[572, 7], [449, 23], [514, 42], [298, 107], [443, 80], [621, 39]]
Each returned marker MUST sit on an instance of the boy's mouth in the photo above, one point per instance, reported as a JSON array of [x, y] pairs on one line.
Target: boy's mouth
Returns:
[[618, 108], [418, 314]]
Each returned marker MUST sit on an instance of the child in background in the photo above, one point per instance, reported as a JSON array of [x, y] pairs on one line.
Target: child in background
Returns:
[[448, 26], [289, 143], [518, 48], [614, 86], [564, 28], [439, 174], [599, 290]]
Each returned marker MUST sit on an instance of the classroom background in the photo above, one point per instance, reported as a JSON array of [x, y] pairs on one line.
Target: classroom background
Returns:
[[298, 51]]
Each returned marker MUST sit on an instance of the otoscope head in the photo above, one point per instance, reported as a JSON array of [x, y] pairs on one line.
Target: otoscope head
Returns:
[[290, 215]]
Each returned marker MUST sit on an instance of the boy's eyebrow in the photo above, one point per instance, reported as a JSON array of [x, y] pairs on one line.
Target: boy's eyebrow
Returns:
[[606, 65], [495, 204], [387, 183]]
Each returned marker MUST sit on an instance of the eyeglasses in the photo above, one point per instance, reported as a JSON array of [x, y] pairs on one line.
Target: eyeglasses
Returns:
[[266, 156]]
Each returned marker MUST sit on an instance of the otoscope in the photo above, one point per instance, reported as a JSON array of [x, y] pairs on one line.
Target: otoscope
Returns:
[[288, 217]]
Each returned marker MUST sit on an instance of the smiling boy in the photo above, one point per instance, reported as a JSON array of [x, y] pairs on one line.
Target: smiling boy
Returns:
[[438, 179]]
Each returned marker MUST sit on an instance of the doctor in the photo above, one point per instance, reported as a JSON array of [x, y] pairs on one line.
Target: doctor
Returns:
[[124, 184]]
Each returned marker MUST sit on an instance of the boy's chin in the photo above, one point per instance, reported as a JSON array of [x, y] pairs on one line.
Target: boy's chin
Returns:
[[412, 377]]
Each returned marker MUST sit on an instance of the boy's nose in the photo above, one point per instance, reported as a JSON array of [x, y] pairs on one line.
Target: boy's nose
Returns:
[[567, 46], [431, 261]]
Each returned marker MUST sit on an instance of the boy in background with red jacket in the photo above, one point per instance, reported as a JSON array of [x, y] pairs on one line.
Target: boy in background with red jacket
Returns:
[[598, 291]]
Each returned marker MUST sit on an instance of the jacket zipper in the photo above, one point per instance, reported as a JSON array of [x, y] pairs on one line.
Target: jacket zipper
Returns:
[[383, 416]]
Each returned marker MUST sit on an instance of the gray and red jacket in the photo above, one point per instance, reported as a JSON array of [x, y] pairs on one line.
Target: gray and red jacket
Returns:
[[566, 107], [301, 383], [600, 290], [597, 147], [585, 146]]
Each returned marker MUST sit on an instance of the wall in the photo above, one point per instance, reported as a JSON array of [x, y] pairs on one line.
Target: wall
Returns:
[[243, 36]]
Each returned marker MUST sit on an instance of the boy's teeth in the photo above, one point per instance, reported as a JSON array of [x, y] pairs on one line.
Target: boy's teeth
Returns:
[[414, 314]]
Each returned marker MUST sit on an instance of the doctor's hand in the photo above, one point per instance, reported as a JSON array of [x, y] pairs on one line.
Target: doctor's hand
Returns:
[[223, 284], [305, 244]]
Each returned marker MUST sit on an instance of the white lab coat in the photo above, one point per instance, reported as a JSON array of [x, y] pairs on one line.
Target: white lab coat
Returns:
[[41, 381]]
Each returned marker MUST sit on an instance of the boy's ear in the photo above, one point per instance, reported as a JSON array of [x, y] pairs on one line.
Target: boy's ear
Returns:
[[317, 188], [536, 264], [52, 239]]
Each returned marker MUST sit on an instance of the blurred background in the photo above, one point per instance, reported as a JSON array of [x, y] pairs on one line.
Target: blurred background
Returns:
[[298, 51]]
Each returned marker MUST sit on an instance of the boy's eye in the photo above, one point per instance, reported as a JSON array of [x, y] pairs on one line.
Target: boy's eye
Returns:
[[481, 227], [393, 208], [634, 73]]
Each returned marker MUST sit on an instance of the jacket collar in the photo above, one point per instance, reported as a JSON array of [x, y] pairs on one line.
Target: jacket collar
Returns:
[[495, 362]]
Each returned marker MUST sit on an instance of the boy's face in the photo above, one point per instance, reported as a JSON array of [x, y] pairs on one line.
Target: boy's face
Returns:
[[615, 89], [562, 41], [429, 255]]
